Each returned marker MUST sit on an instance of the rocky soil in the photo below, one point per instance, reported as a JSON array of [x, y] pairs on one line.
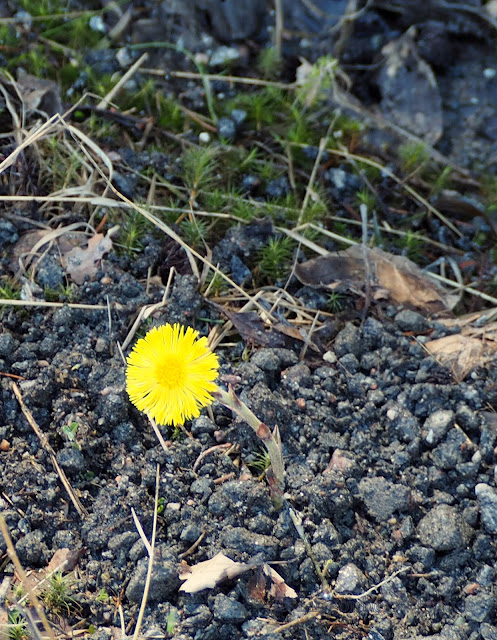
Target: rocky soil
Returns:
[[389, 521]]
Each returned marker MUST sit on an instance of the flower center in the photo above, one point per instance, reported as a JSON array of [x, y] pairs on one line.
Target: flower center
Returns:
[[170, 372]]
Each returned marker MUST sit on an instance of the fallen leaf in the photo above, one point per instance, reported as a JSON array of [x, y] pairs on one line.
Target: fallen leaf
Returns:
[[280, 589], [396, 276], [459, 353], [64, 560], [80, 263], [39, 94], [208, 574], [252, 329]]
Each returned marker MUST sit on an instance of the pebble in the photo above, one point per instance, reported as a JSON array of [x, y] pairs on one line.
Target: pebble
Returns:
[[226, 129], [164, 582], [411, 321], [480, 607], [224, 55], [487, 501], [383, 498], [444, 529], [31, 549], [488, 631], [348, 341], [71, 460], [278, 187], [228, 609], [7, 345], [437, 425], [350, 580], [8, 233]]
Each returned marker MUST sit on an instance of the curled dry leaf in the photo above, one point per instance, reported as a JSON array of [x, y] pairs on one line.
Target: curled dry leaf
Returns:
[[208, 574], [80, 263], [395, 276], [463, 352]]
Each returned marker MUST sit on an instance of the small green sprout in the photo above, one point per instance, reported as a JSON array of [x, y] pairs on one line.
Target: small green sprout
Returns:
[[275, 257], [56, 596]]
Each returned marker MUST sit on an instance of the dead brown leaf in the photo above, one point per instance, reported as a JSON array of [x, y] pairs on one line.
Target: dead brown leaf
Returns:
[[280, 589], [459, 353], [208, 574], [80, 263], [39, 94], [463, 352], [252, 329], [396, 276]]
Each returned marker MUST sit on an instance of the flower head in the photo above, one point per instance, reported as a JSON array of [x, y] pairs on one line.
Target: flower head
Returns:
[[171, 373]]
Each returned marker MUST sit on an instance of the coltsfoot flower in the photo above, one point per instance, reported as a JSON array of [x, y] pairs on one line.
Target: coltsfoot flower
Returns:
[[171, 373]]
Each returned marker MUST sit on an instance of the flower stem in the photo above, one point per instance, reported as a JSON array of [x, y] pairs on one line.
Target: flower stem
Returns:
[[273, 446]]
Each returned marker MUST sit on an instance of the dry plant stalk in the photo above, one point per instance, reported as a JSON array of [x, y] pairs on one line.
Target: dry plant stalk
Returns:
[[276, 473]]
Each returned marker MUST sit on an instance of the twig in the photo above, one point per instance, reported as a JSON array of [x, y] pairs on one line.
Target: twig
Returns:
[[150, 550], [205, 453], [158, 434], [104, 103], [276, 477], [342, 596], [22, 575], [305, 618], [48, 448], [191, 549]]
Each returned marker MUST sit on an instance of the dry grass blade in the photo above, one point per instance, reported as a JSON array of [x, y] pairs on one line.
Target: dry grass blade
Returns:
[[150, 550], [48, 448], [57, 305], [104, 103], [22, 575]]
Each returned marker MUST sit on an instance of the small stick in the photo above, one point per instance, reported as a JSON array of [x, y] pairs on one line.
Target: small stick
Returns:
[[276, 478], [205, 453], [104, 103], [191, 549], [22, 575], [48, 448]]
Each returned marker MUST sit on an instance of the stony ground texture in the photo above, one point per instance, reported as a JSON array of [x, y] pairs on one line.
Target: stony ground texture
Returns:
[[388, 525]]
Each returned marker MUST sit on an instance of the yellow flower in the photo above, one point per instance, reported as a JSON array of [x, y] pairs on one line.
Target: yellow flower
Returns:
[[171, 373]]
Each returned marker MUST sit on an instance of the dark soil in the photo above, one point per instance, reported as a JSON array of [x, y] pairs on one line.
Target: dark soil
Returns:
[[390, 460]]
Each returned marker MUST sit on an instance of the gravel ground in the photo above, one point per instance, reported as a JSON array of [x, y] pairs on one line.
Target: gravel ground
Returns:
[[390, 459], [389, 462]]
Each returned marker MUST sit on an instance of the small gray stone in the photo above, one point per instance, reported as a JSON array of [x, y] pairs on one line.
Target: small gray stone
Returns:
[[251, 543], [72, 460], [444, 529], [164, 582], [238, 116], [266, 359], [7, 345], [348, 341], [123, 541], [228, 609], [408, 320], [448, 454], [488, 631], [8, 233], [437, 425], [479, 608], [50, 274], [223, 56], [382, 498], [226, 128], [278, 187], [487, 501], [31, 549], [350, 580]]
